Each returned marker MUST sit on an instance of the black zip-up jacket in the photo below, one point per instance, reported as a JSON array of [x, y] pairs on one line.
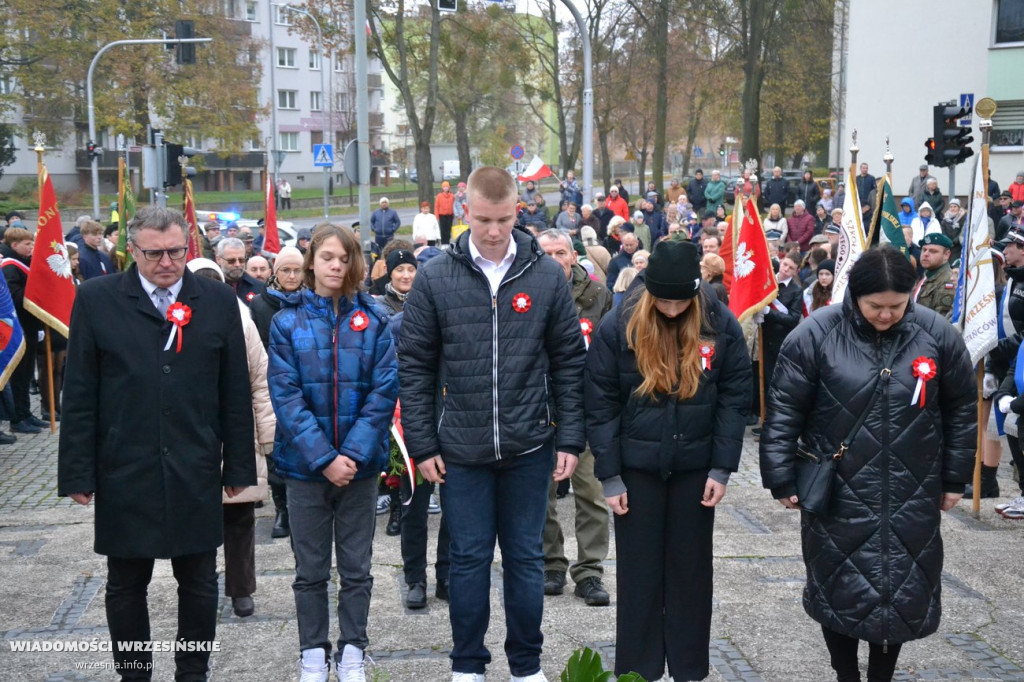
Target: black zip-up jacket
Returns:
[[481, 380], [874, 561]]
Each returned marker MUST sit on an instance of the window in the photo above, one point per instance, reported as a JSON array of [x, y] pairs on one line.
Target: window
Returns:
[[286, 57], [1010, 22], [1008, 126], [6, 85], [286, 99], [315, 137], [282, 15], [314, 61], [315, 101], [255, 145], [290, 142], [342, 101], [251, 11], [339, 63]]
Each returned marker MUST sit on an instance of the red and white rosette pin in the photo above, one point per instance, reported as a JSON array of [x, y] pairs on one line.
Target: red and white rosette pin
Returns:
[[359, 321], [924, 369], [707, 351], [521, 302], [587, 327], [179, 315]]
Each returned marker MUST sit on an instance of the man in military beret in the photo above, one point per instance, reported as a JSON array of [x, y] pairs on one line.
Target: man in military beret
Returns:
[[937, 287]]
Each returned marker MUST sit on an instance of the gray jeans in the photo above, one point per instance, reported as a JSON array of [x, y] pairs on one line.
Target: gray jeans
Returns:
[[319, 514]]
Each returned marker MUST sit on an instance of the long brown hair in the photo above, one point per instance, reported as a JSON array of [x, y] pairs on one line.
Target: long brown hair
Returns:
[[667, 350], [356, 271]]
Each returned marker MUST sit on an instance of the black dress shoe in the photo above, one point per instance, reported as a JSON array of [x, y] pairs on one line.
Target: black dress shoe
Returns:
[[36, 421], [441, 591], [25, 427], [281, 528], [395, 521], [554, 582], [46, 417], [592, 592], [243, 606], [417, 596], [7, 438]]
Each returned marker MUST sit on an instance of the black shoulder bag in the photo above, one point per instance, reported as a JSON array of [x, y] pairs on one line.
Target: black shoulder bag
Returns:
[[816, 474]]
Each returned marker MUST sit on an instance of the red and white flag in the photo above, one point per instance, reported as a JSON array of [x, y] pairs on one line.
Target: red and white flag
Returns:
[[536, 170], [195, 244], [753, 285], [50, 289], [271, 238]]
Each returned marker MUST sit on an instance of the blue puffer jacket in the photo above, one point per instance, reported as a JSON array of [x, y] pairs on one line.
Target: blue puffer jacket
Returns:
[[333, 388]]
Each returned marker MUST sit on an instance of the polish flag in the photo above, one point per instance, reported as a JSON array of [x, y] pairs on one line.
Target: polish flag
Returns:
[[536, 170]]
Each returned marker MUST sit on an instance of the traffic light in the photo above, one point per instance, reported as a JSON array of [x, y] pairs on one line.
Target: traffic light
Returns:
[[94, 150], [721, 150], [172, 169], [950, 140], [447, 5], [185, 53]]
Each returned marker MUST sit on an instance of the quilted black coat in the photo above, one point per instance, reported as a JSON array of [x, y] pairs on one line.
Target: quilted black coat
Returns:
[[663, 435], [481, 380], [874, 562]]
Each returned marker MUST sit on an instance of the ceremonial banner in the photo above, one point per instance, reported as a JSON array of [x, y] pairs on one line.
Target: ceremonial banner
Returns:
[[12, 339], [974, 307], [50, 290], [728, 247], [271, 237], [195, 244], [851, 239], [754, 285], [887, 220], [125, 213]]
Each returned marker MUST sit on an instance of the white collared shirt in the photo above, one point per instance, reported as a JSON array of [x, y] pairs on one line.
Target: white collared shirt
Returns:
[[151, 288], [494, 272]]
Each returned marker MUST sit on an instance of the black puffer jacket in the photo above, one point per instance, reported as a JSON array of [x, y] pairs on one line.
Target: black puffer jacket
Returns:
[[480, 380], [874, 562], [664, 435]]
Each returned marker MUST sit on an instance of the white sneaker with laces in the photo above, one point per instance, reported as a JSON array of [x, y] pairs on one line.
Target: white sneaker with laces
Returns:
[[1015, 510], [467, 677], [1012, 503], [383, 504], [350, 667], [536, 677], [313, 666], [433, 507]]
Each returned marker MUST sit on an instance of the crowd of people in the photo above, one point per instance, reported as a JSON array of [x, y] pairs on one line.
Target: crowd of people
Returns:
[[513, 356]]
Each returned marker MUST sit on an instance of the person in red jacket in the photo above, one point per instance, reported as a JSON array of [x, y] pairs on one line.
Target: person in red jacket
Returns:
[[1017, 187], [617, 204], [801, 226], [444, 209]]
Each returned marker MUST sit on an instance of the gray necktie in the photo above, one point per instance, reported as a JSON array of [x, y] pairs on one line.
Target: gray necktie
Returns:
[[163, 300]]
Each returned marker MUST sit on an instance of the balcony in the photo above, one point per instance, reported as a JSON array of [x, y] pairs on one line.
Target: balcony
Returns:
[[374, 81], [376, 119]]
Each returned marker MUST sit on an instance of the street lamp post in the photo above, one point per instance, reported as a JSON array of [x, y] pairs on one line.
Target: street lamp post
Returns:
[[324, 105], [95, 161], [588, 104]]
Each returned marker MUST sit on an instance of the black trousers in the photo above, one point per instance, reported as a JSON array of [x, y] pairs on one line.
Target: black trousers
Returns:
[[843, 650], [445, 222], [1018, 459], [240, 549], [128, 612], [21, 377], [665, 576], [414, 535]]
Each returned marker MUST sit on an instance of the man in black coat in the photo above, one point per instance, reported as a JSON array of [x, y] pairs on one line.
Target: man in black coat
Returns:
[[491, 374], [157, 419], [695, 191], [776, 190], [231, 257], [782, 316]]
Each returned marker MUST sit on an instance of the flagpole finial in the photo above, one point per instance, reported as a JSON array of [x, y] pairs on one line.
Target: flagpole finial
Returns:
[[854, 148], [39, 137]]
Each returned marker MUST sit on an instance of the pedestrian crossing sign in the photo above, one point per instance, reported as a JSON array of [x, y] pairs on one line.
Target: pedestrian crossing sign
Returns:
[[323, 155]]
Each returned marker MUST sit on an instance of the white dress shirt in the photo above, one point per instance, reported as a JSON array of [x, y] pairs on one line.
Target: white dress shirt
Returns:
[[151, 288], [494, 272]]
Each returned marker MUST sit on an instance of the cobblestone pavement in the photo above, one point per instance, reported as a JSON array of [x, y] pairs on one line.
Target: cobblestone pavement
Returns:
[[52, 584]]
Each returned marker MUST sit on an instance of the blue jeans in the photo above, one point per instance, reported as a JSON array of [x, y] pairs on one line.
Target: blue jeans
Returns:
[[507, 501]]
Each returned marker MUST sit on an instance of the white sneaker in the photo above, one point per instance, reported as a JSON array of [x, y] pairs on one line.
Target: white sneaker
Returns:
[[433, 507], [383, 504], [536, 677], [467, 677], [313, 666], [1014, 510], [350, 667], [1012, 503]]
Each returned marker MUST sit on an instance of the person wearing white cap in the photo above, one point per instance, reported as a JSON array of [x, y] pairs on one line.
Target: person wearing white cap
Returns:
[[384, 223]]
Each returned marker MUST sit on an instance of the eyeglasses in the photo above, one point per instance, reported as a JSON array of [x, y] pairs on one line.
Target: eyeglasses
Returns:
[[289, 272], [234, 261], [176, 253]]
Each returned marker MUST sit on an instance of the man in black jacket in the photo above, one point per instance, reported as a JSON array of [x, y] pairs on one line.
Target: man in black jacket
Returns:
[[776, 190], [231, 258], [155, 427], [491, 369]]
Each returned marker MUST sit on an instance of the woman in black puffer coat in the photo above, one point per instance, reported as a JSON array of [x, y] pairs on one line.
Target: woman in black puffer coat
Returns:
[[874, 560], [665, 437]]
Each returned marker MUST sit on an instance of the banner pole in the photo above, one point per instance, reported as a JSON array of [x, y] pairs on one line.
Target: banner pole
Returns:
[[760, 369], [49, 379], [976, 499]]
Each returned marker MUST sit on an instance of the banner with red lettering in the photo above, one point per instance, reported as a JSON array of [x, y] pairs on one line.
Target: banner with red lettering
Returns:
[[50, 290], [271, 237]]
